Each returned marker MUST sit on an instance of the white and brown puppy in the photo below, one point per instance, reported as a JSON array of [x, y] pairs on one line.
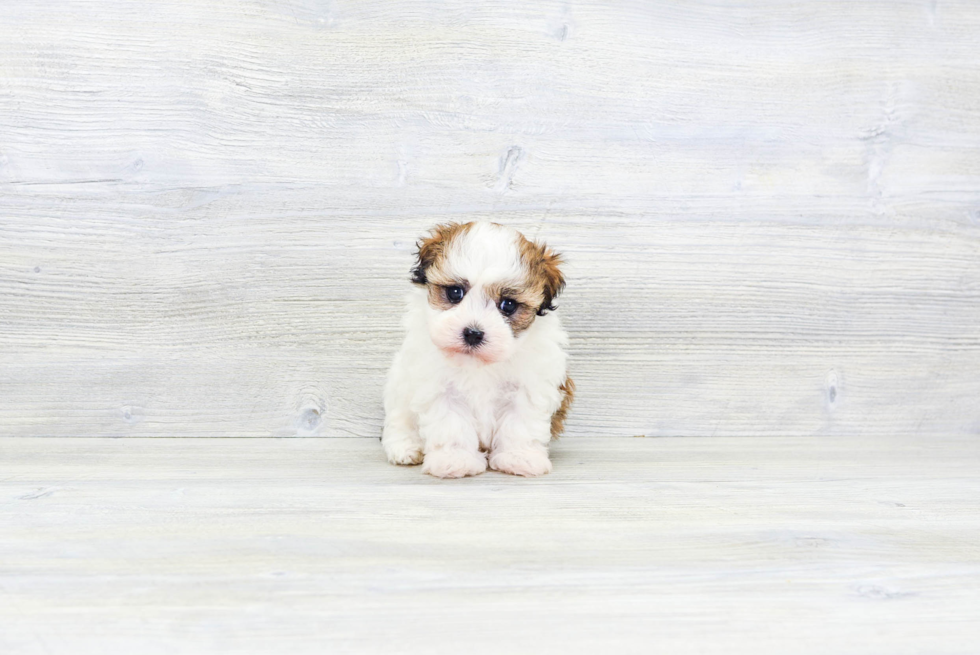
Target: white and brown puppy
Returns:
[[483, 366]]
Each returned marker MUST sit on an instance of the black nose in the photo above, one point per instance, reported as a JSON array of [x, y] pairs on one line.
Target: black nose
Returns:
[[472, 337]]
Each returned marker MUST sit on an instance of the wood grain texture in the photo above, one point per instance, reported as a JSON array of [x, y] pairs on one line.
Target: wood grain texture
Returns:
[[735, 545], [771, 211]]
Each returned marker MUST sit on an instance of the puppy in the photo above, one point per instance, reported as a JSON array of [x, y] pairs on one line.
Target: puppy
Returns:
[[481, 374]]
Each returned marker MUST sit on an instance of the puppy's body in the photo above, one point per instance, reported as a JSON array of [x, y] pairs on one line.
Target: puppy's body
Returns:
[[483, 365]]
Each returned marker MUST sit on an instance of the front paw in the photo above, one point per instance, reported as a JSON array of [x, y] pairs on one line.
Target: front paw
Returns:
[[529, 462], [403, 451], [454, 463]]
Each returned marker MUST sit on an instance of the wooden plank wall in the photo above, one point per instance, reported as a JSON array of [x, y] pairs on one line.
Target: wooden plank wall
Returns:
[[771, 210]]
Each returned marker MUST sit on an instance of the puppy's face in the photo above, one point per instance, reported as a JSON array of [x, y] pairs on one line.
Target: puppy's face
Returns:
[[486, 284]]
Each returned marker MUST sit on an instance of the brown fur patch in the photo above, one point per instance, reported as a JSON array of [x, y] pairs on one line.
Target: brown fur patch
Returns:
[[544, 275], [521, 319], [527, 304], [437, 296], [432, 250], [567, 390]]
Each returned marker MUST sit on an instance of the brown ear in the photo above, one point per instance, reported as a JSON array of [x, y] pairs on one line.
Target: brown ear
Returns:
[[552, 276], [432, 247]]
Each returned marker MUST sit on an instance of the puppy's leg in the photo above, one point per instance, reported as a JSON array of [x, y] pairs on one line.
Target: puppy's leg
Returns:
[[452, 447], [400, 438], [520, 443]]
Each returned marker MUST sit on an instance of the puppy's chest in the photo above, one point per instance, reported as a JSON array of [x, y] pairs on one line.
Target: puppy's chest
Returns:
[[484, 400]]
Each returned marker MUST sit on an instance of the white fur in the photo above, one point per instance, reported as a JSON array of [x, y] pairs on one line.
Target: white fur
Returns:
[[448, 408]]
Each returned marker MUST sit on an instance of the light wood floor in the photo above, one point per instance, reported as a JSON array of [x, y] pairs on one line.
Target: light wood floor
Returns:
[[691, 545]]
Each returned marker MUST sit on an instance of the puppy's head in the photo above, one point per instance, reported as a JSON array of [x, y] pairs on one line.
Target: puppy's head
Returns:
[[486, 284]]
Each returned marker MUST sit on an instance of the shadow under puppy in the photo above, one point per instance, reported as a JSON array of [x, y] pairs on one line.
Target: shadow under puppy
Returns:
[[482, 370]]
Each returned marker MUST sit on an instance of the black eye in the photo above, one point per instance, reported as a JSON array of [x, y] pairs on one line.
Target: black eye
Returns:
[[507, 306], [454, 294]]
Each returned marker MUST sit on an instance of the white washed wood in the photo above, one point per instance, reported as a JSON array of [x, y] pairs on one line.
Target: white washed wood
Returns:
[[771, 211], [735, 545]]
